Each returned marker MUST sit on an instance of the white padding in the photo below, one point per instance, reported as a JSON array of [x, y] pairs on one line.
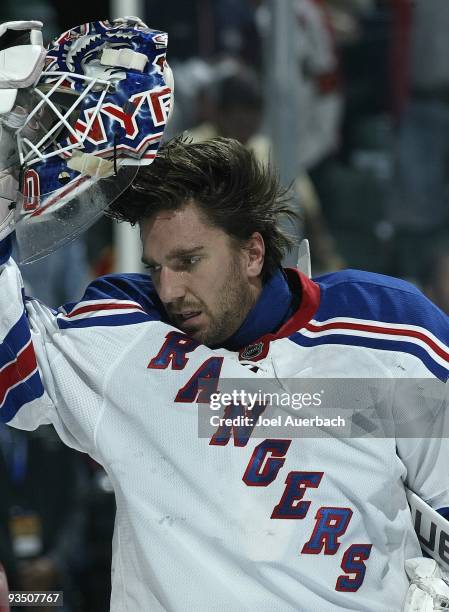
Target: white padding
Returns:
[[20, 66], [89, 164], [124, 58], [7, 99], [20, 25], [36, 38]]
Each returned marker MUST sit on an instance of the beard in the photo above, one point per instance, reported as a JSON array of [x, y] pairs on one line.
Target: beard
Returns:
[[234, 300]]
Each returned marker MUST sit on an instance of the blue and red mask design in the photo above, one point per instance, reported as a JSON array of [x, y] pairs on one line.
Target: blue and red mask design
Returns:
[[99, 112]]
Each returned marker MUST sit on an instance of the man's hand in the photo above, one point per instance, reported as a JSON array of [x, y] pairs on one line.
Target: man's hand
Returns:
[[22, 57], [429, 590]]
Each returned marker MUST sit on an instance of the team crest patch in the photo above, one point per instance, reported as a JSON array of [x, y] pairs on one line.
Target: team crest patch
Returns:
[[252, 351]]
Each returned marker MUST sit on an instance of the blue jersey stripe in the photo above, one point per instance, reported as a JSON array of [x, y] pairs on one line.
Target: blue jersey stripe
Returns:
[[17, 337], [106, 321], [375, 343], [23, 393], [378, 298], [129, 287], [374, 298]]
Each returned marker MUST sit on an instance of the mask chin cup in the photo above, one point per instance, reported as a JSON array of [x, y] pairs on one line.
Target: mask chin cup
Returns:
[[45, 224]]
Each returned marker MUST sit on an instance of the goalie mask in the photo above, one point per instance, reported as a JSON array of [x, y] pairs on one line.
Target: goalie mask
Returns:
[[100, 109]]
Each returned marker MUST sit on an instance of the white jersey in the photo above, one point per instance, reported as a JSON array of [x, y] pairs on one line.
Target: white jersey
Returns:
[[232, 522]]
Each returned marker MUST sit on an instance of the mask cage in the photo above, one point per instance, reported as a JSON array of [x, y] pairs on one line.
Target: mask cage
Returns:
[[41, 120]]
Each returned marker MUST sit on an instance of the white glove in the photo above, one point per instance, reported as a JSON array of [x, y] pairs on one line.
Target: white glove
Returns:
[[20, 64], [20, 25], [20, 67], [429, 588]]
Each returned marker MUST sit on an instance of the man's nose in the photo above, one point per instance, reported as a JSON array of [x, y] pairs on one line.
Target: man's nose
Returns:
[[171, 286]]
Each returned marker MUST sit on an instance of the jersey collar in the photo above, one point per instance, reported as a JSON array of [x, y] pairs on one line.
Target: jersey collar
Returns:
[[269, 312], [298, 284]]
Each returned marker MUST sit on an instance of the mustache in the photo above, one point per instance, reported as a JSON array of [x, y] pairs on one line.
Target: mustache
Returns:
[[175, 309]]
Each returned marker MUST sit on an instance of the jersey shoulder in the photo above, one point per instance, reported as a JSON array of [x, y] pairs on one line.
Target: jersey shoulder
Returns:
[[376, 311], [114, 299], [369, 296]]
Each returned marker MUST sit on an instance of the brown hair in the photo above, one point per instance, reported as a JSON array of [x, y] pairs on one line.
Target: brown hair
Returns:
[[232, 190]]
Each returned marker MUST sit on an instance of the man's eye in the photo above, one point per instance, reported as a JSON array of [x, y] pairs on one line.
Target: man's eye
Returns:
[[152, 268], [191, 261]]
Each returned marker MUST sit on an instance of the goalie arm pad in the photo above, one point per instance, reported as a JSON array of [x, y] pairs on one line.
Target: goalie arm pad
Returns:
[[431, 528]]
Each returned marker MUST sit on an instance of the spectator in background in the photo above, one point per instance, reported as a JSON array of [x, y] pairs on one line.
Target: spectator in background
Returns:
[[193, 78], [237, 31], [319, 87], [204, 29], [200, 33], [43, 486], [96, 575], [420, 202], [235, 111], [234, 101], [60, 277], [354, 181], [7, 560]]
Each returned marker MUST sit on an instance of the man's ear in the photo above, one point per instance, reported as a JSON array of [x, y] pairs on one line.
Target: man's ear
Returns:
[[255, 252]]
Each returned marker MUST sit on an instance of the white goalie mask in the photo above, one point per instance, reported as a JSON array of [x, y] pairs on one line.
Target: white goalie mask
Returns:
[[99, 112]]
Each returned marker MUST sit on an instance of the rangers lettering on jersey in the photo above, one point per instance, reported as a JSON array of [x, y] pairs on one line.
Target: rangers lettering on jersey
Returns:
[[277, 525]]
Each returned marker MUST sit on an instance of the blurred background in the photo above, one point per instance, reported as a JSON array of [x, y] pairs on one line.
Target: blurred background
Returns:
[[350, 99]]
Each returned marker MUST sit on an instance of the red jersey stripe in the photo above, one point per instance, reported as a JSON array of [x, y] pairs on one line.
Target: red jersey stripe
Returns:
[[97, 307], [18, 370], [388, 331]]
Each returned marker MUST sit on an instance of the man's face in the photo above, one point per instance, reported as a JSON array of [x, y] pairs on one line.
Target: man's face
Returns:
[[206, 282]]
